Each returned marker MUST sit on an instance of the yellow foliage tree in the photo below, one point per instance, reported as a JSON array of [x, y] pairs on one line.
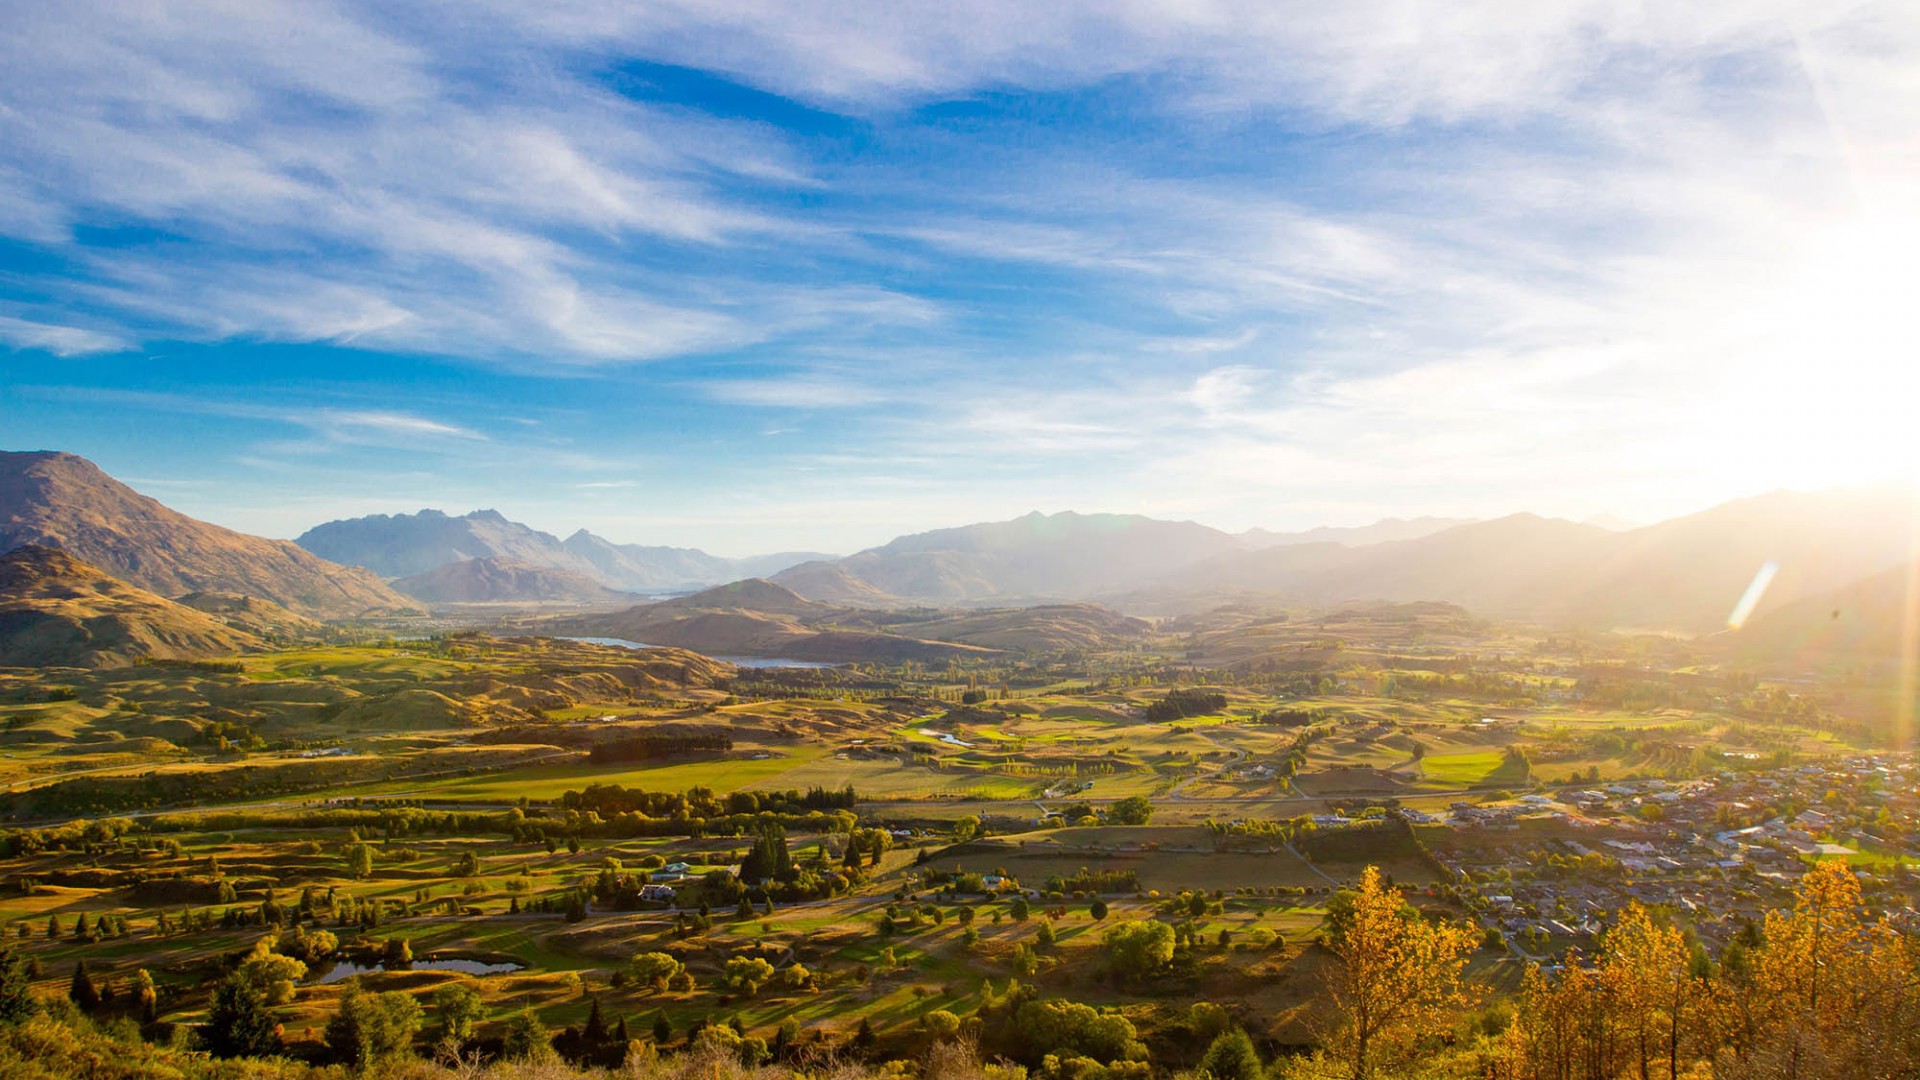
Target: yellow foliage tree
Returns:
[[1397, 977]]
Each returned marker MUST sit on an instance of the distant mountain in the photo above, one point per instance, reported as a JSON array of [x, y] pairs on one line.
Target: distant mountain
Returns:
[[1689, 572], [1685, 574], [761, 619], [1610, 522], [1512, 565], [1045, 628], [1865, 620], [1036, 557], [496, 580], [402, 545], [64, 501], [830, 583], [58, 611], [1380, 532], [406, 545]]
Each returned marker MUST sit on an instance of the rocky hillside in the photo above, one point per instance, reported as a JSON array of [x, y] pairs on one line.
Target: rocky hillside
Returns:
[[56, 611], [64, 501]]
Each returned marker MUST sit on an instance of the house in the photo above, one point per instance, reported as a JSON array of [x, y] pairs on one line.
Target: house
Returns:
[[662, 893], [676, 868]]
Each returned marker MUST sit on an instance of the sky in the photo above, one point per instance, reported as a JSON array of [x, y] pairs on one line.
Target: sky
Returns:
[[761, 276]]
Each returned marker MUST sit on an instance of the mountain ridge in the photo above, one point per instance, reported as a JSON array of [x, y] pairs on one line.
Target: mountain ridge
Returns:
[[399, 546], [63, 501], [56, 610]]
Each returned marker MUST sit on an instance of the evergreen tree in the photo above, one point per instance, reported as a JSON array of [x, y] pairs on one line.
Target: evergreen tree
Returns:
[[526, 1038], [595, 1031], [238, 1024], [81, 991], [662, 1028], [863, 1039]]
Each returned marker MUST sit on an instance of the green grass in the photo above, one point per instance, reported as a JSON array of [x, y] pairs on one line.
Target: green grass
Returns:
[[1463, 770]]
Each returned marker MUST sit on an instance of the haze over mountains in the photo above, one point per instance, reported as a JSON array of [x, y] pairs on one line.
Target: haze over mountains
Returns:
[[408, 545], [1842, 551]]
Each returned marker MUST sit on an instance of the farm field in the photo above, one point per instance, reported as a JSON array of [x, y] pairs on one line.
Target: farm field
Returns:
[[508, 802]]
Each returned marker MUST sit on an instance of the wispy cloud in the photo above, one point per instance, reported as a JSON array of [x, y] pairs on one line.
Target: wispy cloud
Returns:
[[58, 340], [1217, 258]]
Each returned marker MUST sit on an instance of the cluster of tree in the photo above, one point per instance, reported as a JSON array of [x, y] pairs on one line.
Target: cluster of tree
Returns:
[[1183, 702], [651, 746], [701, 802], [1094, 881]]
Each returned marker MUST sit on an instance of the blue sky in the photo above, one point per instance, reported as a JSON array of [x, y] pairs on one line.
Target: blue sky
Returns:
[[759, 276]]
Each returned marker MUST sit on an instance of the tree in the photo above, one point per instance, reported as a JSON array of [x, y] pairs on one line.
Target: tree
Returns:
[[526, 1038], [81, 990], [863, 1037], [267, 972], [1097, 909], [16, 988], [1044, 936], [1231, 1056], [146, 998], [237, 1022], [1019, 909], [369, 1028], [459, 1008], [1139, 950], [966, 829], [1396, 976], [656, 969], [746, 974], [662, 1029], [1644, 971], [396, 954], [1132, 810], [359, 860]]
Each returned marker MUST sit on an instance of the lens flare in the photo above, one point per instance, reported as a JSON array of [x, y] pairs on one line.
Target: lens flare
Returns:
[[1750, 599]]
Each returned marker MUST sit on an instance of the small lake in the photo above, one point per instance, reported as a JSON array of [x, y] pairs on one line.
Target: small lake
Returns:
[[347, 969], [947, 737], [736, 661]]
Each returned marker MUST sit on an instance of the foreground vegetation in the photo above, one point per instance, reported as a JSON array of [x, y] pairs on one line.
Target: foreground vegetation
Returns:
[[1820, 990], [522, 856]]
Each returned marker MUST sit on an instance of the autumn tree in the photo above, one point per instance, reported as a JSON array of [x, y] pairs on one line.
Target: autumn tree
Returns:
[[1645, 973], [1396, 976]]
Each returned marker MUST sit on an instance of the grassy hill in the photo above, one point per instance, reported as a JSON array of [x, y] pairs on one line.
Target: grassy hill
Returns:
[[57, 611]]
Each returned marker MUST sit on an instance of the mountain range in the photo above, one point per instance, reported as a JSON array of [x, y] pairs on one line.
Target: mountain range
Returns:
[[406, 546], [1837, 551], [64, 501], [760, 618], [1684, 574]]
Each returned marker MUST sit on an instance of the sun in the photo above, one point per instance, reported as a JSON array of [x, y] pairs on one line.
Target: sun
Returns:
[[1818, 385]]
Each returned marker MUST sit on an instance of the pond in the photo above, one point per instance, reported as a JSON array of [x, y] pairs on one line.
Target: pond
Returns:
[[736, 661], [347, 969]]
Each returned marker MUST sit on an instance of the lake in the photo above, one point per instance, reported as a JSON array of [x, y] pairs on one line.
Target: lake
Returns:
[[347, 969], [736, 661]]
